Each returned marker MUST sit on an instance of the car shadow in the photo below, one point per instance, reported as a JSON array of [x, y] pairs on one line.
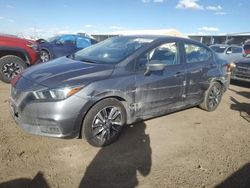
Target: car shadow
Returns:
[[243, 108], [240, 83], [37, 182], [240, 178], [241, 93], [117, 165]]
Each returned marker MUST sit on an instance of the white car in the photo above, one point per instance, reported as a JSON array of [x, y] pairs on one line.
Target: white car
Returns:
[[230, 53]]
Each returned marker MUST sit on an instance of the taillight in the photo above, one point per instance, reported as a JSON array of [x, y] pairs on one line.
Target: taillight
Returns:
[[230, 67], [15, 79]]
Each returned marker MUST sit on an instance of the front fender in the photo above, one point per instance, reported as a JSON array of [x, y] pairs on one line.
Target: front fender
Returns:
[[126, 98]]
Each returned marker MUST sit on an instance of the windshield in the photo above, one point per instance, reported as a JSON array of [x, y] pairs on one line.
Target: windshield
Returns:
[[218, 49], [112, 50], [51, 39]]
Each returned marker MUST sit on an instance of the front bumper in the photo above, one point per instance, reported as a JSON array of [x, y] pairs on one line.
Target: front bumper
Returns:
[[55, 119], [241, 73]]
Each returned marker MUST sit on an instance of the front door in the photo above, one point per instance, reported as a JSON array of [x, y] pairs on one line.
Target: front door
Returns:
[[160, 91], [65, 45]]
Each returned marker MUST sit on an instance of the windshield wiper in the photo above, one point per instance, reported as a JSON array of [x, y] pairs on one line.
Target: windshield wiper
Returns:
[[71, 56], [87, 60]]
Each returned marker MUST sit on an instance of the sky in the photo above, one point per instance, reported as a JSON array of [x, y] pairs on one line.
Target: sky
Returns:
[[44, 18]]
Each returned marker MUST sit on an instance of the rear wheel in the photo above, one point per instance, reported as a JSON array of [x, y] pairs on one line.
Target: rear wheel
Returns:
[[10, 66], [104, 122], [212, 97]]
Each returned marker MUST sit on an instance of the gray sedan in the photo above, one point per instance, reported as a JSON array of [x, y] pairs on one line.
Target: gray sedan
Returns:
[[96, 91]]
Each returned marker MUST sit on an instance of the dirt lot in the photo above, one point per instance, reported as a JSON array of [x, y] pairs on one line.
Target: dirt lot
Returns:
[[191, 148]]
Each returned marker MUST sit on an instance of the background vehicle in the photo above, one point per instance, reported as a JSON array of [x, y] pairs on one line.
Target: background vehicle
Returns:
[[230, 53], [242, 70], [15, 55], [121, 80], [63, 45]]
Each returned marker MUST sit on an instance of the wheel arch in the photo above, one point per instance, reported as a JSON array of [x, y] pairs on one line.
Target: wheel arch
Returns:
[[47, 50], [16, 52], [221, 82], [122, 100]]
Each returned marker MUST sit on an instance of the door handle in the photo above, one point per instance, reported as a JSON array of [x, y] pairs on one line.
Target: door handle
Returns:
[[178, 74]]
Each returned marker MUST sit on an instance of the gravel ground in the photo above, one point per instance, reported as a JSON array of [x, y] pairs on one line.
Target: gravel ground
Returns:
[[190, 148]]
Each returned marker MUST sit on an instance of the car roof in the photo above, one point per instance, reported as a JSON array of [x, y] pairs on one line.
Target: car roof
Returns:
[[161, 37], [149, 36]]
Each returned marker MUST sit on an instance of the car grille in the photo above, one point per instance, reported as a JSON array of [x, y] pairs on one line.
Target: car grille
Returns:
[[242, 72]]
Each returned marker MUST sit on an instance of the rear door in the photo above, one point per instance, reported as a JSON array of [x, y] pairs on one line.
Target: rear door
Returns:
[[199, 61], [161, 90]]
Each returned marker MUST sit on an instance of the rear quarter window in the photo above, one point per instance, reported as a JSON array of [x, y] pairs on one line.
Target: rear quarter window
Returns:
[[82, 42]]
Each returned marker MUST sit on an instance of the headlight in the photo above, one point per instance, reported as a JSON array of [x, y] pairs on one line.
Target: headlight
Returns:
[[33, 46], [56, 94]]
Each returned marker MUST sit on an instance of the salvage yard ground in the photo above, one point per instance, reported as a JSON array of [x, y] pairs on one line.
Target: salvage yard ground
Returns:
[[190, 148]]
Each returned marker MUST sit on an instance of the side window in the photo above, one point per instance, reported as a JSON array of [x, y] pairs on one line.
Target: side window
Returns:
[[196, 54], [67, 40], [236, 50], [165, 54], [82, 42]]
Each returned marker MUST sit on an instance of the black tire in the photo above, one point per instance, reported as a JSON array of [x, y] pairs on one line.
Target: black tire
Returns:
[[44, 56], [212, 97], [10, 66], [100, 130]]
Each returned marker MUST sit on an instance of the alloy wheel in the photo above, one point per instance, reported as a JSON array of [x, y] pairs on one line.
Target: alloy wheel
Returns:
[[10, 70], [214, 96], [44, 56], [107, 123]]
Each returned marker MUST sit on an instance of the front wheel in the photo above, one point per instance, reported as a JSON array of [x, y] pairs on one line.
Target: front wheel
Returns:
[[10, 66], [104, 122], [212, 97], [44, 56]]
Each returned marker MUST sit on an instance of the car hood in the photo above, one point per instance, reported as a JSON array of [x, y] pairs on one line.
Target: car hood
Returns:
[[64, 72], [244, 60]]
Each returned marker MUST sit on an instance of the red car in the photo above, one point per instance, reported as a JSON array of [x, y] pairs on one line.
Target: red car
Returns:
[[15, 55]]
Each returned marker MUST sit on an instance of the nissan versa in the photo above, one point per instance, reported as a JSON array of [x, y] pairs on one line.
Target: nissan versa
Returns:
[[96, 91]]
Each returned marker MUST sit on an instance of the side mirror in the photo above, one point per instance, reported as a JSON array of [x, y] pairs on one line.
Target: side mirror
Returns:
[[229, 52], [58, 42], [152, 67]]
